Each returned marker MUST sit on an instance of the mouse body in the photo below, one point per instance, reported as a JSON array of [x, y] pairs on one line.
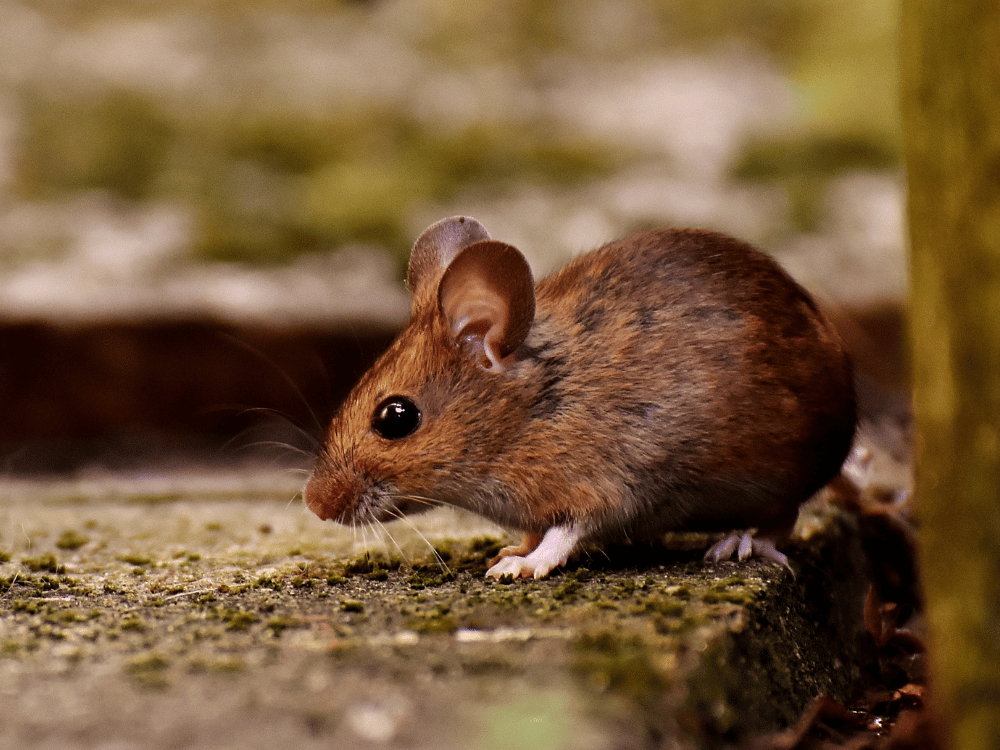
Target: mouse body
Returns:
[[671, 380]]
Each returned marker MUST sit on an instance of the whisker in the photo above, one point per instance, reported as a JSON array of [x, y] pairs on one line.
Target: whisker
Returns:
[[308, 436], [437, 555], [428, 501], [297, 496], [276, 444], [394, 543], [366, 544], [12, 582], [376, 532], [282, 373], [238, 442]]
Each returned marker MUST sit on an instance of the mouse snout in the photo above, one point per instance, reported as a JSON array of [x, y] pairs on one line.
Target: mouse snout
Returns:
[[332, 498]]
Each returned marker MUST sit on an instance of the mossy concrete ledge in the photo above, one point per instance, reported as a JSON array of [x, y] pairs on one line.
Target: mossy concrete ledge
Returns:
[[225, 617]]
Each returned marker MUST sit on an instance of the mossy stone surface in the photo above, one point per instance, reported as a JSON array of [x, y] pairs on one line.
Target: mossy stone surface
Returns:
[[238, 619]]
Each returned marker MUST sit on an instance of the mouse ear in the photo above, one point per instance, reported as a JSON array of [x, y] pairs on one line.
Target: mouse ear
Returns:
[[487, 296], [435, 248]]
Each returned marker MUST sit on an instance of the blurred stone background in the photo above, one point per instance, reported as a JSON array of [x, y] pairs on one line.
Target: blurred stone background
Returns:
[[206, 207]]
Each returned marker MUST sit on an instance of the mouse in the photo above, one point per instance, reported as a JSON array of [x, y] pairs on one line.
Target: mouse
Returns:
[[671, 380]]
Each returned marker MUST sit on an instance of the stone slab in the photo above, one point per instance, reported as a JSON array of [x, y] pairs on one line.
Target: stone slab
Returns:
[[214, 611]]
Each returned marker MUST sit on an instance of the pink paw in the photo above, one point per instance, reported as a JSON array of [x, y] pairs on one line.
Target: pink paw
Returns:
[[745, 546]]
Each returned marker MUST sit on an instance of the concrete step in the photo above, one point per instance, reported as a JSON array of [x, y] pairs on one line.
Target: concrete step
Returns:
[[215, 611]]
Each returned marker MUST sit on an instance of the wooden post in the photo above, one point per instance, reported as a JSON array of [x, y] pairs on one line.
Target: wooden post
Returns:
[[951, 119]]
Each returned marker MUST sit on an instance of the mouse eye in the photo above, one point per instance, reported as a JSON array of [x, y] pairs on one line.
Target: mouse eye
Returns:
[[395, 418]]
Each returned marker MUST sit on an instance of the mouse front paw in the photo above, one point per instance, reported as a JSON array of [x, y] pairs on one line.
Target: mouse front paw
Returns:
[[745, 546], [511, 565], [550, 553], [528, 544]]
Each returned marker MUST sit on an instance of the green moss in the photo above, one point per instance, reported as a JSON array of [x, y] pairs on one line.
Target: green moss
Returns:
[[229, 665], [567, 590], [618, 663], [732, 589], [682, 592], [4, 556], [71, 540], [822, 156], [149, 670], [420, 580], [51, 632], [365, 198], [486, 546], [373, 567], [805, 166], [47, 562], [278, 625], [268, 582], [150, 662], [433, 622], [141, 498], [135, 559], [287, 142], [134, 622], [236, 619], [28, 606], [118, 142], [660, 605], [266, 181], [343, 649], [718, 597], [352, 605], [284, 184], [71, 615], [624, 589]]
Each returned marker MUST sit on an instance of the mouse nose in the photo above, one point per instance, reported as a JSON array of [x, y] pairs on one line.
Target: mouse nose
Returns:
[[330, 498], [314, 501]]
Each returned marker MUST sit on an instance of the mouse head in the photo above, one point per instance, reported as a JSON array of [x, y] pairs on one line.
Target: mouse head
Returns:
[[417, 428]]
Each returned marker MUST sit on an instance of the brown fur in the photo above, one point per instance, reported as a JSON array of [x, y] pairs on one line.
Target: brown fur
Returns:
[[674, 379]]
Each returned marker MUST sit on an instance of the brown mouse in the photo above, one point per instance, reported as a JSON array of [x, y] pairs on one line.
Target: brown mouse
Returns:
[[675, 379]]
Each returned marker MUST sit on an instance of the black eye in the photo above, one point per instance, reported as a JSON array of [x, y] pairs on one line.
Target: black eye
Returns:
[[395, 418]]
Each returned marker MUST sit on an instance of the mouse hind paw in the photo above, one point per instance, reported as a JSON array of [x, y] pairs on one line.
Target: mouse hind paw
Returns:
[[744, 545]]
